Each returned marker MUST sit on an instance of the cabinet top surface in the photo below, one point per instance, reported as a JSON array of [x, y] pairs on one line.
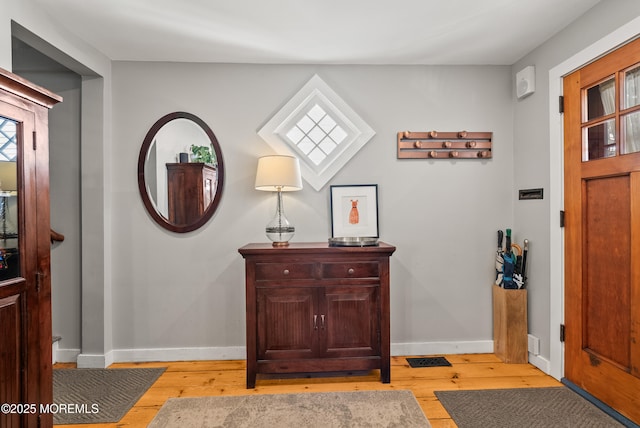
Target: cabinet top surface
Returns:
[[193, 165], [313, 247]]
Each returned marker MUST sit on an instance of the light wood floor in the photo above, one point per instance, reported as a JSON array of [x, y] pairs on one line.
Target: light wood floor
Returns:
[[203, 378]]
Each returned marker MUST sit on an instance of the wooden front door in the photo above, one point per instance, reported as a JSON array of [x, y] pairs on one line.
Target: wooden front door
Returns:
[[602, 229]]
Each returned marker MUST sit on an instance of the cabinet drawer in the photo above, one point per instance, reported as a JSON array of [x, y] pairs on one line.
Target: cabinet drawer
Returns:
[[351, 270], [283, 271]]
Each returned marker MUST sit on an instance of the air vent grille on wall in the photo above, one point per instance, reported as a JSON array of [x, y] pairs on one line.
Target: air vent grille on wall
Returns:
[[444, 145]]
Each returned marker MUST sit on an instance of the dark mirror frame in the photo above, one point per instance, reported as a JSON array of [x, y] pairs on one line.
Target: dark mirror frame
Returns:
[[142, 185]]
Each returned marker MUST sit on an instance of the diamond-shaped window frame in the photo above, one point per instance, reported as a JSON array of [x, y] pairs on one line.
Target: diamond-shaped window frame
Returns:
[[319, 168]]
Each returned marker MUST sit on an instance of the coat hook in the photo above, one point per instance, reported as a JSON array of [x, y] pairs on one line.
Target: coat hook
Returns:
[[417, 144], [434, 134], [471, 144], [462, 134]]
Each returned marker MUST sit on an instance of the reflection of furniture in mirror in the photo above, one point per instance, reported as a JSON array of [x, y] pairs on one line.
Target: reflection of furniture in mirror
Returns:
[[25, 298], [171, 135], [191, 188]]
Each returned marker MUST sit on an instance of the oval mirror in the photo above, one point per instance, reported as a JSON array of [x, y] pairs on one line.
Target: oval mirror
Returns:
[[180, 172]]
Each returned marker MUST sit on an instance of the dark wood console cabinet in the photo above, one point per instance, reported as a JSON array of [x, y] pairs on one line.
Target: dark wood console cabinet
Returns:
[[314, 308]]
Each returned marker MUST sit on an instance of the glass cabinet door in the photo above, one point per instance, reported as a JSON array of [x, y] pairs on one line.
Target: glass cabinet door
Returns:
[[9, 242]]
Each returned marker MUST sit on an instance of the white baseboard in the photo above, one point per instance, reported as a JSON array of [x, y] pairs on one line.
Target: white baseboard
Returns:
[[180, 354], [65, 355], [239, 353], [95, 361], [431, 348], [541, 363]]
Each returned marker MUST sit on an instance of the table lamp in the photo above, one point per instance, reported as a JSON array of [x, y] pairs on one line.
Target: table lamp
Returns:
[[279, 173]]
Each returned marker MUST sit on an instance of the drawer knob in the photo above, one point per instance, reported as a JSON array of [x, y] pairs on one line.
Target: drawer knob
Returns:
[[351, 271], [285, 272]]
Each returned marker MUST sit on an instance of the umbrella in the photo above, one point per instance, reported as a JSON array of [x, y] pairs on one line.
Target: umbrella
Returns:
[[509, 264], [499, 259]]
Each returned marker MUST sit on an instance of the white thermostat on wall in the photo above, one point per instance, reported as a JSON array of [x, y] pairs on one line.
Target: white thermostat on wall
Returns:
[[526, 81]]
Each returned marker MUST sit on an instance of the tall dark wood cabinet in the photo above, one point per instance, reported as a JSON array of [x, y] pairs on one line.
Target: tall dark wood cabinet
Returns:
[[191, 188], [315, 308], [25, 288]]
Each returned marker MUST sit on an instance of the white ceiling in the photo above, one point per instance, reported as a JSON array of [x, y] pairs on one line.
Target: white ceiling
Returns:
[[316, 31]]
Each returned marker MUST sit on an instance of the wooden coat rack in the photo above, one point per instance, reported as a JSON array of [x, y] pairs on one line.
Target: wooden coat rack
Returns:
[[444, 145]]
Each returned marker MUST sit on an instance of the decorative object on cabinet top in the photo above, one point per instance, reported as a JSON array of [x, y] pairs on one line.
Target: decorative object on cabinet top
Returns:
[[444, 145], [354, 214], [279, 174], [178, 195], [353, 242]]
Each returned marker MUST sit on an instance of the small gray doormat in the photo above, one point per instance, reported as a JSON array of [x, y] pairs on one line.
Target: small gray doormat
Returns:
[[90, 396], [428, 362], [398, 409], [526, 407]]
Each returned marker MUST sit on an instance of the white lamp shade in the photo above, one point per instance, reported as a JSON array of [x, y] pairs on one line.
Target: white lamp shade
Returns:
[[278, 173]]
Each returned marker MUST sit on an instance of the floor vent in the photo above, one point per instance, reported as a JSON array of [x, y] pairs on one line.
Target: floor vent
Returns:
[[428, 362]]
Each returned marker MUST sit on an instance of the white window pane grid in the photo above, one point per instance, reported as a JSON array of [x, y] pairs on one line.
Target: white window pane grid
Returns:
[[318, 127], [316, 134], [306, 146], [317, 156], [316, 113], [8, 147], [327, 124]]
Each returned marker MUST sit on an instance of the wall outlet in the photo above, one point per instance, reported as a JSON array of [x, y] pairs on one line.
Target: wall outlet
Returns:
[[533, 344]]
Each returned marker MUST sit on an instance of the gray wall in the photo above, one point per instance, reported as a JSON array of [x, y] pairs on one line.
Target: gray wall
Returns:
[[186, 291], [149, 294]]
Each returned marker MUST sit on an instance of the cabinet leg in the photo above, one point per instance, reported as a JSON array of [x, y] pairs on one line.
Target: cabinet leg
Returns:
[[385, 374], [251, 380]]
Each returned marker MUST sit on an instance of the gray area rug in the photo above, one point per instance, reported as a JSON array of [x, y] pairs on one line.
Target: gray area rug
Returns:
[[98, 395], [324, 409], [528, 407]]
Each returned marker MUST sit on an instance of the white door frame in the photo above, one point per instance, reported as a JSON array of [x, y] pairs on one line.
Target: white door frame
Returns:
[[608, 43]]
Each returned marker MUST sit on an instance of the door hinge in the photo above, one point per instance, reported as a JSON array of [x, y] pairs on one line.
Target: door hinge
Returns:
[[35, 145], [562, 218], [39, 276], [561, 332], [561, 104]]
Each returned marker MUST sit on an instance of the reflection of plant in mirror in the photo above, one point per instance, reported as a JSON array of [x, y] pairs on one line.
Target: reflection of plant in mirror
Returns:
[[202, 154]]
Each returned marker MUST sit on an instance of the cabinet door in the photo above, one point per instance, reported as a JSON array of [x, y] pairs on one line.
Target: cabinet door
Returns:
[[286, 323], [352, 321]]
